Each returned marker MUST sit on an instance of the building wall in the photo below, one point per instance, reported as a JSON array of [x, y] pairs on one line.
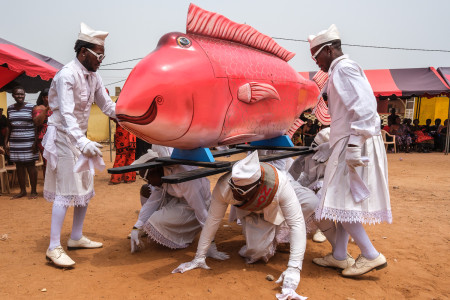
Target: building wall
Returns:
[[3, 103], [98, 126], [432, 108]]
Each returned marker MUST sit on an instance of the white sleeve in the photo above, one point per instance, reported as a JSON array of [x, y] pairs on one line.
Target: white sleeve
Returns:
[[64, 84], [197, 194], [216, 213], [293, 215], [103, 100], [357, 96], [149, 207]]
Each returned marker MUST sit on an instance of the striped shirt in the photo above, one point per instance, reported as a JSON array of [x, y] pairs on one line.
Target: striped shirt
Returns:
[[22, 134]]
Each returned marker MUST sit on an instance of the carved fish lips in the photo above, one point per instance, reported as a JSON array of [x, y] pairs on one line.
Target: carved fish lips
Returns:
[[144, 119]]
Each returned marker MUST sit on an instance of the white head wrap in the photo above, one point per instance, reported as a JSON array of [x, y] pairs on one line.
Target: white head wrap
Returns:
[[247, 170], [324, 36], [90, 35]]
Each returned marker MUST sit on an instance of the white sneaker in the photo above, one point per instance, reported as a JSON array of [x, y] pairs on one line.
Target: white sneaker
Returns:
[[59, 257], [330, 262], [319, 237], [363, 265], [83, 243]]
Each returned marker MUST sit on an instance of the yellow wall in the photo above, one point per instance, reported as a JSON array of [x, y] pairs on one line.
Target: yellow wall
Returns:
[[98, 129], [3, 103], [433, 108]]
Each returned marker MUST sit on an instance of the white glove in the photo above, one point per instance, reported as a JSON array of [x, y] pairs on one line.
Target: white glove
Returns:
[[290, 278], [136, 243], [289, 294], [323, 153], [198, 262], [353, 157], [92, 149], [214, 253]]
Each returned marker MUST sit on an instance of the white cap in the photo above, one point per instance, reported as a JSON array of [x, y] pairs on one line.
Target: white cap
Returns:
[[90, 35], [324, 36], [150, 155], [246, 171], [155, 152], [322, 136], [162, 151]]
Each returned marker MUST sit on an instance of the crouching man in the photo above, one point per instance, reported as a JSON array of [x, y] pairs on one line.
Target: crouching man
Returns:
[[173, 214], [257, 190]]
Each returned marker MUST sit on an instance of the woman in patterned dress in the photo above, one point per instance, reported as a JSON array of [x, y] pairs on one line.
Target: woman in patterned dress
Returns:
[[21, 142], [40, 116], [125, 143]]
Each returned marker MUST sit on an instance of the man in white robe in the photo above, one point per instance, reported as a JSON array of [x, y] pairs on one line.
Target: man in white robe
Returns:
[[257, 189], [355, 189], [309, 171], [73, 91], [173, 214]]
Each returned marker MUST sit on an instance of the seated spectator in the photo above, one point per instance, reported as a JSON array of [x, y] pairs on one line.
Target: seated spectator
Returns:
[[436, 136], [416, 125], [308, 132], [402, 135], [427, 127], [442, 132], [423, 139], [297, 139], [392, 117]]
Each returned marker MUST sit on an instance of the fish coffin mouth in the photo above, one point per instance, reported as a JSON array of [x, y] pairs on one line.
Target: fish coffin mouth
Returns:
[[148, 117]]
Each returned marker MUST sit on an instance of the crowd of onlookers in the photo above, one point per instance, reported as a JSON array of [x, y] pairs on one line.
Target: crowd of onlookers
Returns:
[[306, 133], [409, 135], [415, 137]]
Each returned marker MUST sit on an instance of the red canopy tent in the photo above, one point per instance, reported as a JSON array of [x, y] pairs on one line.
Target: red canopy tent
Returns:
[[403, 82], [20, 66]]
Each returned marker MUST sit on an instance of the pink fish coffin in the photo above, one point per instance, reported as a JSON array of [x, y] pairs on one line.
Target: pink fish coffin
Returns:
[[220, 83]]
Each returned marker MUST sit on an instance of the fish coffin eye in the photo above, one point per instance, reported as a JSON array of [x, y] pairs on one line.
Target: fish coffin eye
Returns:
[[184, 42]]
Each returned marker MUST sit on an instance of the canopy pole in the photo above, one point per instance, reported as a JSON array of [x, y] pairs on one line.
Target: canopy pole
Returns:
[[447, 137], [109, 138]]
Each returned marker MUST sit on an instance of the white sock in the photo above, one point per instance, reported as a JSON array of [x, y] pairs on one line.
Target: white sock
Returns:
[[328, 229], [58, 215], [78, 219], [356, 230], [340, 251]]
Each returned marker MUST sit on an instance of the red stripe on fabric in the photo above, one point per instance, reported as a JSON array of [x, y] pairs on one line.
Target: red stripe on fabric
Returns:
[[6, 76], [382, 83], [20, 61], [440, 78]]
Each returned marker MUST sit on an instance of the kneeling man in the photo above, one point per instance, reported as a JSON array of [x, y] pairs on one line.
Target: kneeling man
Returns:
[[257, 189]]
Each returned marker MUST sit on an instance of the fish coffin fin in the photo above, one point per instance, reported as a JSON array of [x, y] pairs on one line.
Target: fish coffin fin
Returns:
[[255, 91], [206, 23]]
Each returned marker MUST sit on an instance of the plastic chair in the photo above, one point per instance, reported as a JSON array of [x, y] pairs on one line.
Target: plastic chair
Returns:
[[4, 180], [384, 133]]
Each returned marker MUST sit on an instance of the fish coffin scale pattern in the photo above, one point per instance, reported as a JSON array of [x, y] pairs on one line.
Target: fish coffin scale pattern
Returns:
[[233, 60]]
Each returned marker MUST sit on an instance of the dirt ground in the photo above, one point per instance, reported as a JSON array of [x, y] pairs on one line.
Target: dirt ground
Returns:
[[416, 246]]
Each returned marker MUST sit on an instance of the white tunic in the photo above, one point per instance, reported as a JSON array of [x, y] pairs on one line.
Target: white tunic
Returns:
[[72, 93], [284, 207], [354, 120], [173, 217]]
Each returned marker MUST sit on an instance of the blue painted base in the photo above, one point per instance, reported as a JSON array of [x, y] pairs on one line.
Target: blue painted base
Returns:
[[199, 154], [280, 141]]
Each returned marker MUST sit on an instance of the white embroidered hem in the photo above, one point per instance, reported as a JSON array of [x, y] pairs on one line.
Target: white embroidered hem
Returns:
[[155, 235], [354, 216], [68, 200]]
